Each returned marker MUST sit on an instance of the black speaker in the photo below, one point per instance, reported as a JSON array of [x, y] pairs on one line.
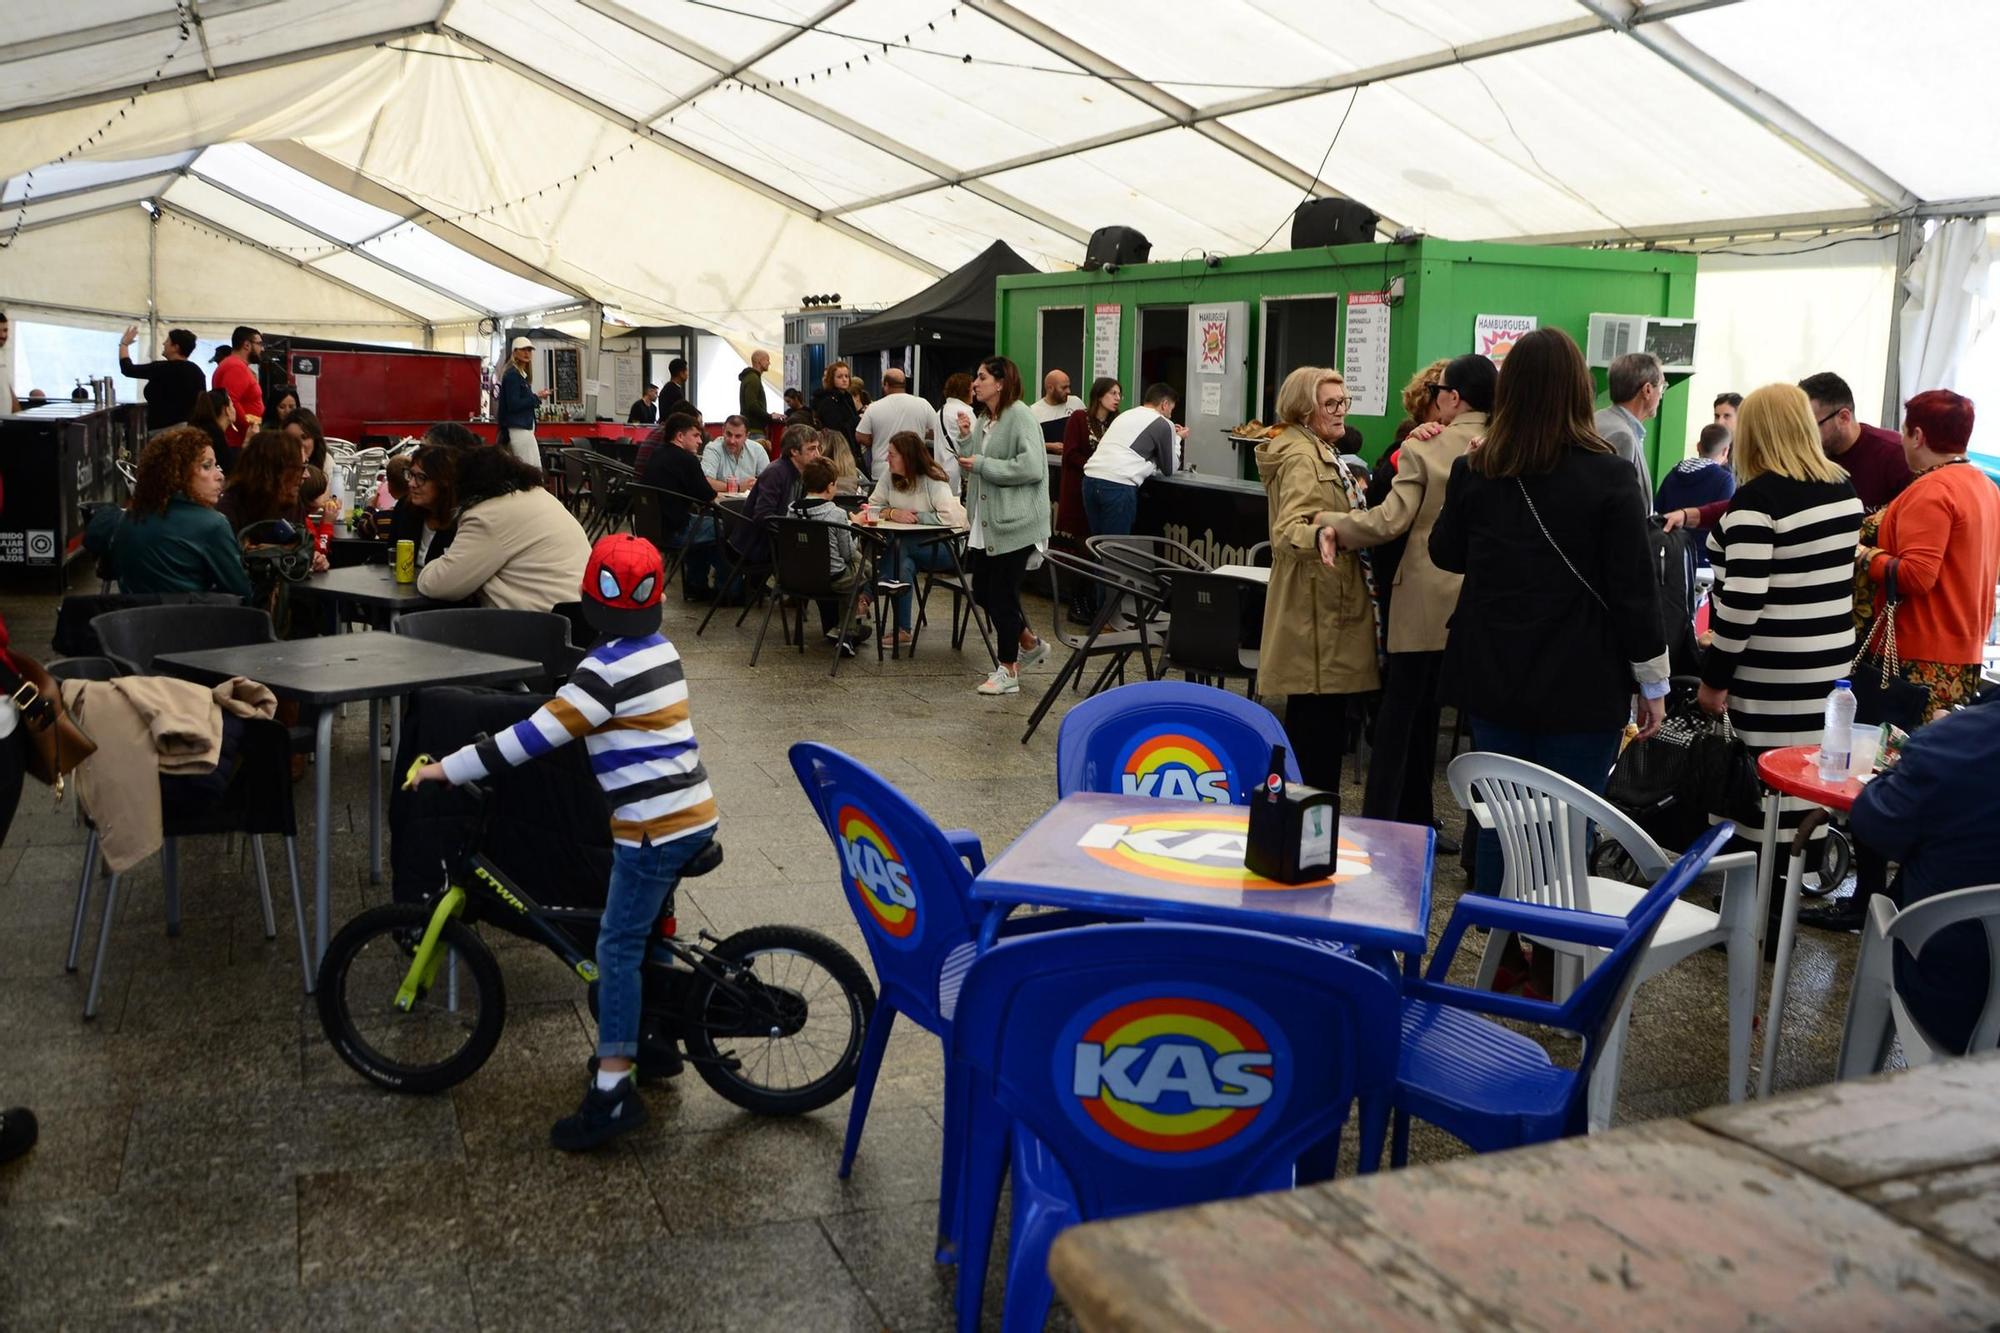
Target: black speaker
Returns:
[[1112, 246], [1332, 222]]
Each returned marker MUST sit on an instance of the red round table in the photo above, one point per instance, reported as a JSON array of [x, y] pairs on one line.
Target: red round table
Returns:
[[1790, 771]]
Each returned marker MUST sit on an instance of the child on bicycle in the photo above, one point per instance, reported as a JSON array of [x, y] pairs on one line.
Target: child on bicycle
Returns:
[[628, 699]]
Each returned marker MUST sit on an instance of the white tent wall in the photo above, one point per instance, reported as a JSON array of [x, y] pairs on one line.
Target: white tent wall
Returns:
[[93, 263], [206, 279]]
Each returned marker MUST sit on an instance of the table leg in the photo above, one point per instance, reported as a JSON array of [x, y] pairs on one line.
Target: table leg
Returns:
[[1767, 865], [374, 791], [322, 832], [1781, 971]]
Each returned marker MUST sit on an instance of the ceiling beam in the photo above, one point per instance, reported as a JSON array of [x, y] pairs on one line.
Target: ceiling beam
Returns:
[[97, 212], [353, 181], [167, 84], [456, 298], [1747, 229], [941, 173], [201, 35], [78, 191], [1776, 116], [1173, 108], [646, 131], [198, 220], [79, 38], [727, 71]]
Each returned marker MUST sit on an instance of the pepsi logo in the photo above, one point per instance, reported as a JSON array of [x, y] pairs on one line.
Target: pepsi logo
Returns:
[[1177, 765], [878, 874], [1201, 847], [1175, 1074]]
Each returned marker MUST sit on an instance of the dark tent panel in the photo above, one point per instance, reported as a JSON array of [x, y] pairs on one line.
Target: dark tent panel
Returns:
[[951, 320]]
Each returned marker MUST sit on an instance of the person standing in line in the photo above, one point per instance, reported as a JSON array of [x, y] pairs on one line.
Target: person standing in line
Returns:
[[1080, 439], [645, 408], [674, 392], [1725, 406], [1139, 443], [896, 411], [1556, 640], [955, 425], [750, 403], [236, 372], [518, 400], [1007, 506], [1782, 612], [1403, 767], [1637, 384], [172, 383], [1698, 485], [833, 405], [1054, 408], [1319, 635], [1872, 458]]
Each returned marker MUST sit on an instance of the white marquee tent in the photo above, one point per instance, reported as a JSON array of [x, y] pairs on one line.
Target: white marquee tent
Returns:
[[403, 169]]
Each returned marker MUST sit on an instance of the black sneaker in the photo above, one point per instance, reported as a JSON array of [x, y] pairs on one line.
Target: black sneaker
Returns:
[[18, 1132], [603, 1116]]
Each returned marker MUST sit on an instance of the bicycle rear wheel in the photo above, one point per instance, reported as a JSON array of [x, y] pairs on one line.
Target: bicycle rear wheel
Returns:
[[450, 1030], [783, 1035]]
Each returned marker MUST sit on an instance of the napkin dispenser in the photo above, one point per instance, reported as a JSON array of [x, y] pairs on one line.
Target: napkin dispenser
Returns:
[[1292, 828]]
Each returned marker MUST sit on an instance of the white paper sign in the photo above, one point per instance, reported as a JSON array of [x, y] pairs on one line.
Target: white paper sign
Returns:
[[793, 367], [626, 385], [1315, 836], [308, 389], [1104, 348], [1493, 336], [1211, 353], [1365, 353], [1211, 399]]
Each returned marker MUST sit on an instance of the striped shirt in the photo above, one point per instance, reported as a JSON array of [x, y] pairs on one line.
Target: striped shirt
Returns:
[[628, 699]]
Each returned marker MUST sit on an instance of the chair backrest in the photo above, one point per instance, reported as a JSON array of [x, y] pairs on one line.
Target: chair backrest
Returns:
[[1258, 556], [1210, 622], [1543, 821], [1170, 739], [134, 637], [1211, 1059], [1916, 925], [802, 556], [1144, 555], [75, 635], [648, 506], [905, 885], [541, 635], [1593, 1007], [84, 668], [1117, 588]]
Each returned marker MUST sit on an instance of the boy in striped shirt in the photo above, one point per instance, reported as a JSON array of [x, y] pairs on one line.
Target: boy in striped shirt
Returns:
[[628, 699]]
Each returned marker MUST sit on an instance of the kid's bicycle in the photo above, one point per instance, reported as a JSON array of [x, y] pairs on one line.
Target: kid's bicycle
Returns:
[[412, 998]]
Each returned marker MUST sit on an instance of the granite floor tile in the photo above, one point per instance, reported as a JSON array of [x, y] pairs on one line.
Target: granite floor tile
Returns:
[[550, 1203], [379, 1228], [77, 1156]]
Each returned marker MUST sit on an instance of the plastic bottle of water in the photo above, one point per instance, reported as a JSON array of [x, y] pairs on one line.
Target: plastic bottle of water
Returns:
[[1836, 743]]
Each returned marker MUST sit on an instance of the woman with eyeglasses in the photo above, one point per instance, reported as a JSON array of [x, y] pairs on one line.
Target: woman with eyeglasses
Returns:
[[1320, 640], [424, 517]]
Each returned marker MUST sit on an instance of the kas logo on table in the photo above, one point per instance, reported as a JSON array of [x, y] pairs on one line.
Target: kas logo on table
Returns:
[[879, 876], [1170, 1074], [1174, 765], [1200, 847]]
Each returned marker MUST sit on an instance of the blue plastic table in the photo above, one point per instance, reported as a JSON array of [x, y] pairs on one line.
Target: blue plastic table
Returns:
[[1183, 861]]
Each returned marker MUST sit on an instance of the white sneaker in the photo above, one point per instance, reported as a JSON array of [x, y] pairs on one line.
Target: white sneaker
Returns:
[[1030, 656], [1002, 681]]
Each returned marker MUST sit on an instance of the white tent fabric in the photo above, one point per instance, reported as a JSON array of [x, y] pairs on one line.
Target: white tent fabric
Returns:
[[1946, 283], [708, 162]]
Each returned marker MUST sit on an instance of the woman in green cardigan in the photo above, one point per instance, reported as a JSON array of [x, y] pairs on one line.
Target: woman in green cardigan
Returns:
[[171, 539], [1007, 504]]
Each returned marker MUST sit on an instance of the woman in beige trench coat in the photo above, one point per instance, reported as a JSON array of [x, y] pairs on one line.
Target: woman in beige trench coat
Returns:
[[1320, 641]]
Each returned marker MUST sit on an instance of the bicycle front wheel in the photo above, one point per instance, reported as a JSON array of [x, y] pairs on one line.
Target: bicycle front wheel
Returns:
[[444, 1037], [780, 1034]]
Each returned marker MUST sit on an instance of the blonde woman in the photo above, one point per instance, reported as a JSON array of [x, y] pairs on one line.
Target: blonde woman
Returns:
[[1783, 603], [846, 470], [1320, 641]]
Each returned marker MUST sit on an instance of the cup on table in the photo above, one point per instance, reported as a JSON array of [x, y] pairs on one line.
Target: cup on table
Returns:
[[1863, 745]]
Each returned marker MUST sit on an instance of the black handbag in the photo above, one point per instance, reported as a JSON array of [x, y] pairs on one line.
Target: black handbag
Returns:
[[1881, 694], [1694, 766]]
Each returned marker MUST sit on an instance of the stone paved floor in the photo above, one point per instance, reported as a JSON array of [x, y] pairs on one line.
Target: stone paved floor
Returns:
[[207, 1162]]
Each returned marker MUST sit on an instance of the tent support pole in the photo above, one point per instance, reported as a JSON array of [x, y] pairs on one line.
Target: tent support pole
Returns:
[[1909, 240], [153, 279], [592, 406]]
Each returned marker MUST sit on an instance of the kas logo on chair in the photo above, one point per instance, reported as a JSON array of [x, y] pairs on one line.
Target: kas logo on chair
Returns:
[[1172, 1074], [1177, 765], [879, 876]]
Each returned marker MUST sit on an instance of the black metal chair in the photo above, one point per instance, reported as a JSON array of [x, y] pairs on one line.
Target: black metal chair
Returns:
[[1115, 588], [541, 635], [1258, 556], [256, 800], [74, 636], [576, 482], [733, 533], [1152, 561], [1211, 617], [802, 554], [84, 668], [607, 478], [964, 609], [646, 506], [134, 637]]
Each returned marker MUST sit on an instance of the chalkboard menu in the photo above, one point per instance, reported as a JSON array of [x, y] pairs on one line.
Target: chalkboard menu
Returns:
[[567, 367]]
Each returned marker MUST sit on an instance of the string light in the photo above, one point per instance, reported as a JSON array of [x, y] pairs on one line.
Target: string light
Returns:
[[845, 66], [28, 182]]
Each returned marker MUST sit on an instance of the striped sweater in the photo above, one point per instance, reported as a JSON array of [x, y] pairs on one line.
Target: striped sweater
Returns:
[[628, 699]]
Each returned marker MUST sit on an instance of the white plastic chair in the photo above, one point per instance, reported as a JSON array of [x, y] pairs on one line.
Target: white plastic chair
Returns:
[[1875, 1012], [1543, 819]]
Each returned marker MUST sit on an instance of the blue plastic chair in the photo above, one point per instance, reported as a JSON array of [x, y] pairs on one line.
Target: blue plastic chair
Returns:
[[1144, 1066], [1171, 739], [1490, 1086], [908, 883]]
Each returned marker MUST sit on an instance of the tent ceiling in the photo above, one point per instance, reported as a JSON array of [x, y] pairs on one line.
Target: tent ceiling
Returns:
[[707, 161]]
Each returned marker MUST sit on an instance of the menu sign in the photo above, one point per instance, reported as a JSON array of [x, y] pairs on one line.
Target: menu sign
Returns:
[[567, 369], [1365, 353]]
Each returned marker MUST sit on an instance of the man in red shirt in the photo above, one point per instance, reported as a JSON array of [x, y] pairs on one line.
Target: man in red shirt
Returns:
[[1872, 456], [237, 373]]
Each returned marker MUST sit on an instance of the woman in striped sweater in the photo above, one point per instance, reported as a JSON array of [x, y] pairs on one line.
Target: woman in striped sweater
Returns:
[[1784, 600]]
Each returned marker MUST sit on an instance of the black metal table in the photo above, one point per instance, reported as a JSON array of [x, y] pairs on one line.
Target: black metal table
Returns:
[[338, 669], [372, 586]]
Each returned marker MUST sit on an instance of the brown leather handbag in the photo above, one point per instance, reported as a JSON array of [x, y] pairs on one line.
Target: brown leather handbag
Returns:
[[56, 744]]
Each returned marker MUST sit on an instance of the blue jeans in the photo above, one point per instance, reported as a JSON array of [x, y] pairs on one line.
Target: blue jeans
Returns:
[[699, 539], [905, 559], [1110, 507], [642, 884], [1584, 757]]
